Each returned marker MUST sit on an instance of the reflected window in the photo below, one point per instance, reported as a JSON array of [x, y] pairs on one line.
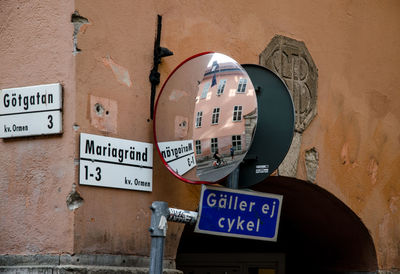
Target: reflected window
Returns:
[[215, 116], [242, 85], [214, 145], [199, 117], [206, 87], [237, 142], [198, 147], [237, 113], [221, 86], [214, 69]]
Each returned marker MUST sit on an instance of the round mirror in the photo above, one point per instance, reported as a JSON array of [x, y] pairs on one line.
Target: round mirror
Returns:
[[205, 118]]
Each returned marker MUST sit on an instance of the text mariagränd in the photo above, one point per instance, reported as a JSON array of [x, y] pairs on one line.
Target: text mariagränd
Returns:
[[116, 163]]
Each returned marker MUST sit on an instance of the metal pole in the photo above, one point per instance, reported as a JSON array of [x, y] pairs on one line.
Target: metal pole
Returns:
[[233, 179], [158, 232]]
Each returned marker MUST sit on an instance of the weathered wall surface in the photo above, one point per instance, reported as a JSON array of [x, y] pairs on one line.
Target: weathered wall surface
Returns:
[[355, 132], [352, 143], [113, 69], [37, 173]]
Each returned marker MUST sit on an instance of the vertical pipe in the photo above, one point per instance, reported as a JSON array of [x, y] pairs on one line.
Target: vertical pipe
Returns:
[[154, 74], [156, 255], [233, 179], [158, 232]]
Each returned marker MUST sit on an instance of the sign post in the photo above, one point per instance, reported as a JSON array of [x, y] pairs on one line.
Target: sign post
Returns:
[[158, 232], [161, 213], [222, 211], [238, 213]]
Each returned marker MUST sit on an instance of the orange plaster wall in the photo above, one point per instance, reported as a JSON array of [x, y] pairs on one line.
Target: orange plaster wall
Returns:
[[37, 173], [356, 130], [114, 66]]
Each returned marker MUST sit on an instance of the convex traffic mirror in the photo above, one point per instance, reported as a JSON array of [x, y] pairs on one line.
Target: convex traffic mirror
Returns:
[[205, 118]]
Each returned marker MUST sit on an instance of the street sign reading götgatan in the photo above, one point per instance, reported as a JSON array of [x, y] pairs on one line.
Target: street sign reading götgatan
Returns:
[[238, 213], [32, 110]]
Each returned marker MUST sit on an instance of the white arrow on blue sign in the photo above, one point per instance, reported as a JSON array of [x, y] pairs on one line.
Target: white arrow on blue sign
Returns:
[[238, 213]]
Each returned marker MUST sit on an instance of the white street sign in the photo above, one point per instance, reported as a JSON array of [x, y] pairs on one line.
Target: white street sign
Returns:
[[115, 163], [33, 110], [179, 155]]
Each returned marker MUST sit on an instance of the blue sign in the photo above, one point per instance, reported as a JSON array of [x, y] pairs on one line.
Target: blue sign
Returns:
[[238, 213]]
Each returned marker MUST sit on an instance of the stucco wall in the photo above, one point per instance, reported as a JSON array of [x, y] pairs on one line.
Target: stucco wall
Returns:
[[353, 44], [37, 173]]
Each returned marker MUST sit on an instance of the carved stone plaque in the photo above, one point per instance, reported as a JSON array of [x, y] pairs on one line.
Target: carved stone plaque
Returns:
[[291, 60]]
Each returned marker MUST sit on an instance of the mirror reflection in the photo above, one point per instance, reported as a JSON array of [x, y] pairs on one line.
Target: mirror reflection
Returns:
[[205, 118]]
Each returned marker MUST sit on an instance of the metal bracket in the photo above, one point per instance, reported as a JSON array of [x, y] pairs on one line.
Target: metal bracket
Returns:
[[159, 52], [161, 213], [182, 216]]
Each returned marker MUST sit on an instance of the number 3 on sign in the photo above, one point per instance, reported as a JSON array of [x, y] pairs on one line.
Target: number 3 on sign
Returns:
[[50, 124]]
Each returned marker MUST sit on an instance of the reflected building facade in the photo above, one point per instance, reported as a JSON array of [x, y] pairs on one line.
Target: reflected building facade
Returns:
[[222, 111]]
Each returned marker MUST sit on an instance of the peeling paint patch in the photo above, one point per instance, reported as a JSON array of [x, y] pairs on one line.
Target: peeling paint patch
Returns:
[[78, 21], [311, 160], [289, 165], [176, 95], [103, 113], [121, 73], [181, 126], [373, 170], [344, 154], [74, 200], [392, 205]]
